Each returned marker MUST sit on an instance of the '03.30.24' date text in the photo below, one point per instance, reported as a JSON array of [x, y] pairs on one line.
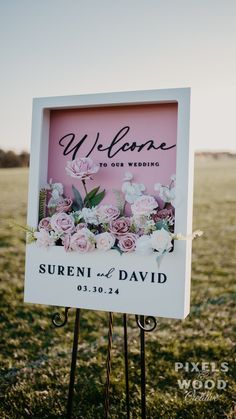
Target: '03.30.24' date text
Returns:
[[99, 290]]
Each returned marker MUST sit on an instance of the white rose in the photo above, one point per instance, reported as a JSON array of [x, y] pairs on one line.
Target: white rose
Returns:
[[144, 245], [105, 241], [161, 240]]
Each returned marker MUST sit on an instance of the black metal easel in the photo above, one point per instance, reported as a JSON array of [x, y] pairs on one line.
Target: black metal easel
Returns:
[[145, 323]]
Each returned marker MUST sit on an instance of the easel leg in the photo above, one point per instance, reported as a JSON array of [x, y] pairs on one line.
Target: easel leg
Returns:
[[146, 324], [108, 365], [143, 370], [126, 365], [73, 365]]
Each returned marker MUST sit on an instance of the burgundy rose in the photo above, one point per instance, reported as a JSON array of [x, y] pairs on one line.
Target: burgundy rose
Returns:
[[120, 226], [127, 243], [170, 207], [162, 215]]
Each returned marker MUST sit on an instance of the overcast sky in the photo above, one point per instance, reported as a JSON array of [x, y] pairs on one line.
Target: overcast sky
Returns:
[[66, 47]]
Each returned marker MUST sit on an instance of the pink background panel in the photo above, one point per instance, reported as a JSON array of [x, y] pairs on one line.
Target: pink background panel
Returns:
[[146, 122]]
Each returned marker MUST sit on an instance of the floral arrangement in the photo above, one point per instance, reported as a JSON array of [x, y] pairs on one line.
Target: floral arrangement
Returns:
[[84, 224]]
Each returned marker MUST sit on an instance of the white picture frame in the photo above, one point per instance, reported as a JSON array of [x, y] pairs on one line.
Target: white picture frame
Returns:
[[170, 299]]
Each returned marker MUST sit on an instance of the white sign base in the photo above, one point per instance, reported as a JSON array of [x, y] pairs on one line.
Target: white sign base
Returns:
[[108, 281]]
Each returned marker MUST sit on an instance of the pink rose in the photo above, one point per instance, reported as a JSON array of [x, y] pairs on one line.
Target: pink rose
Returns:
[[81, 168], [82, 241], [62, 223], [65, 205], [45, 224], [105, 241], [120, 226], [107, 213], [127, 243], [66, 242], [80, 226], [144, 205]]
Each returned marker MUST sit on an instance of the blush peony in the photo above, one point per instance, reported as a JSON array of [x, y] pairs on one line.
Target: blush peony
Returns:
[[144, 205], [82, 168]]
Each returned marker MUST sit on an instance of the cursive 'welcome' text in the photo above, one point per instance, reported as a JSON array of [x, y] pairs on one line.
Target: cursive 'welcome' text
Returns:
[[118, 144]]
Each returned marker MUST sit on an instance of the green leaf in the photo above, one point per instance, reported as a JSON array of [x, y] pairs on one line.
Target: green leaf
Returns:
[[162, 224], [30, 238], [42, 203], [78, 202], [91, 194], [97, 199], [75, 207], [26, 228]]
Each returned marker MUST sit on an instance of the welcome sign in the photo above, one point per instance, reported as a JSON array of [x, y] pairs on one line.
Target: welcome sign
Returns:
[[110, 189]]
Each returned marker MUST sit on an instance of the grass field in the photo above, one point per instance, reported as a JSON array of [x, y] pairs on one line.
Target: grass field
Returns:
[[35, 357]]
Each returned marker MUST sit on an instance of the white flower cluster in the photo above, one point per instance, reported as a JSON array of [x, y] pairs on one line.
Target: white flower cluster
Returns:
[[89, 215], [101, 214], [56, 190], [131, 190], [159, 240], [167, 193]]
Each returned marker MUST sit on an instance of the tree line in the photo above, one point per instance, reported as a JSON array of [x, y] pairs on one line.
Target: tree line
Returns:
[[12, 159]]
